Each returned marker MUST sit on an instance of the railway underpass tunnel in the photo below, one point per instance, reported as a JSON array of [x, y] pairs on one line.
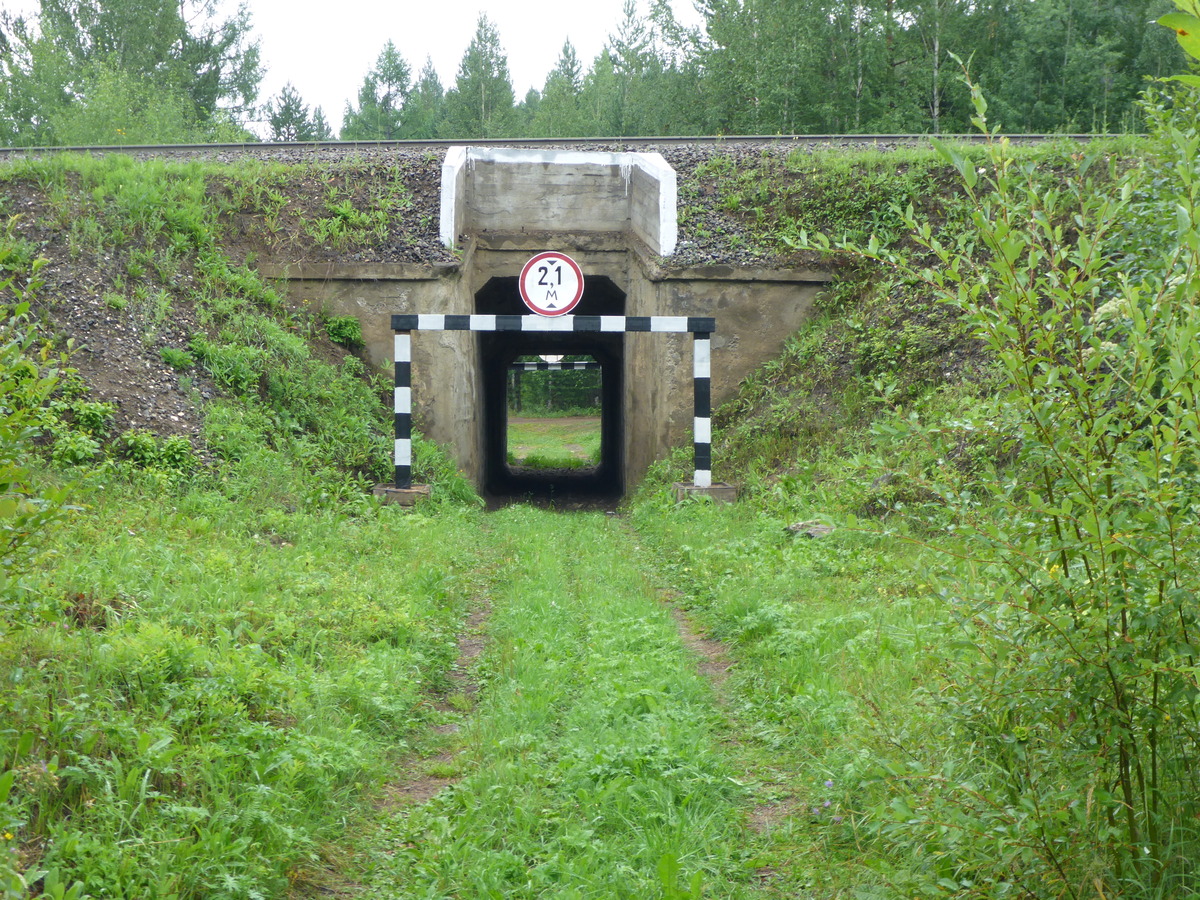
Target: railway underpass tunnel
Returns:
[[497, 353]]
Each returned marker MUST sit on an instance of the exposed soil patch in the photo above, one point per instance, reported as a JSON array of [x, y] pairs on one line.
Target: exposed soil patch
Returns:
[[713, 659], [427, 777], [421, 788], [116, 326], [470, 646], [767, 816]]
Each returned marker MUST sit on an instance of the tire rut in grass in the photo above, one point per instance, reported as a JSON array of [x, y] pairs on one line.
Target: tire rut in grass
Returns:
[[595, 755], [429, 775], [713, 661], [713, 658]]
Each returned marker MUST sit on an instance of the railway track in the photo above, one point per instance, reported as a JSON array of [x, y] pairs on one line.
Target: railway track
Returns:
[[274, 148]]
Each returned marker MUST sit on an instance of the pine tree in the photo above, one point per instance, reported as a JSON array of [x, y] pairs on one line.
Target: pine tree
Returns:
[[480, 105], [287, 114], [381, 99], [320, 128], [424, 109], [558, 112]]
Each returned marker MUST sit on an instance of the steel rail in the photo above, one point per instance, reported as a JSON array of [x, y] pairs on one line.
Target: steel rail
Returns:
[[799, 140]]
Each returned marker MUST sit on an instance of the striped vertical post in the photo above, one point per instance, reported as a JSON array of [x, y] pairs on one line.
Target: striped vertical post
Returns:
[[403, 407], [702, 424]]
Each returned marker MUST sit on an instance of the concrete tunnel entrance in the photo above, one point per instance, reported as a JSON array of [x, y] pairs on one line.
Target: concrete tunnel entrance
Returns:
[[615, 212], [498, 350]]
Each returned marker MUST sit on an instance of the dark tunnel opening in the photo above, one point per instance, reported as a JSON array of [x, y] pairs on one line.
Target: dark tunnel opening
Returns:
[[602, 483]]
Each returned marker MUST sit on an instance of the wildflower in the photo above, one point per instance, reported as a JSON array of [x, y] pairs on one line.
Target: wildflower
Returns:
[[1117, 307], [828, 784], [826, 804], [8, 835]]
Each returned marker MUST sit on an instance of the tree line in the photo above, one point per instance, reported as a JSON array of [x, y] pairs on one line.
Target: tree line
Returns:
[[131, 71]]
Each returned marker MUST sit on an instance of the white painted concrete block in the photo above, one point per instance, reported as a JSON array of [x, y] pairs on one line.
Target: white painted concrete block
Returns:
[[511, 190]]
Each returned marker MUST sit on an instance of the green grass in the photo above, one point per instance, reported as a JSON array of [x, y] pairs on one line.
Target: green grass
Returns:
[[829, 638], [554, 443], [226, 685], [594, 753]]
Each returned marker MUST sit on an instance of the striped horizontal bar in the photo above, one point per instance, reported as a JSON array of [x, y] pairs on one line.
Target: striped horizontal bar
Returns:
[[657, 324], [552, 367]]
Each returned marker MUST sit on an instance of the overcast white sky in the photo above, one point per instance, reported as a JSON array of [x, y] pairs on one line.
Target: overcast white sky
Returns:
[[326, 54], [325, 49]]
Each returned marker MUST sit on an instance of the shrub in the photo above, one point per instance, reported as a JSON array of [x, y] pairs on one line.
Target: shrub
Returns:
[[28, 376], [139, 447], [177, 453], [74, 448], [345, 330], [147, 451], [177, 359], [1073, 712]]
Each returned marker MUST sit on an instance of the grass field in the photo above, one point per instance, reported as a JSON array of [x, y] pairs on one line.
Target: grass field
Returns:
[[236, 689], [554, 443]]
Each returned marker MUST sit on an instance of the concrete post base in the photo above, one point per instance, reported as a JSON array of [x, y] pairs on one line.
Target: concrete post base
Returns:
[[409, 496], [719, 491]]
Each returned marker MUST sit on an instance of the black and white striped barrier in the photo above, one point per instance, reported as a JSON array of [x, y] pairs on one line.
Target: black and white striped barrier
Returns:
[[700, 327], [553, 367]]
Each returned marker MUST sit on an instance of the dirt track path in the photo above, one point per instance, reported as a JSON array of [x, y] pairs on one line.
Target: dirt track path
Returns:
[[595, 760]]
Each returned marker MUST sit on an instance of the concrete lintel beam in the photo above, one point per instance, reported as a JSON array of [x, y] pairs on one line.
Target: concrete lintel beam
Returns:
[[562, 242], [357, 271], [521, 190], [748, 274]]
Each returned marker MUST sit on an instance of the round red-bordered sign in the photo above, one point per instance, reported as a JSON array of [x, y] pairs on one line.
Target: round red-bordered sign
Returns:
[[551, 284]]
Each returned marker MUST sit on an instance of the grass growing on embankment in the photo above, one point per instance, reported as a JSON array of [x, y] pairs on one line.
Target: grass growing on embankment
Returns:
[[227, 685]]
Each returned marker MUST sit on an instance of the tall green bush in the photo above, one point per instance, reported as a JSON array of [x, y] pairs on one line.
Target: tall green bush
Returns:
[[28, 376], [1072, 713]]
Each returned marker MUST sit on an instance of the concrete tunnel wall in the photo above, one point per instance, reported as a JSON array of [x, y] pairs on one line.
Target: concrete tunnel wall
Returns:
[[755, 309]]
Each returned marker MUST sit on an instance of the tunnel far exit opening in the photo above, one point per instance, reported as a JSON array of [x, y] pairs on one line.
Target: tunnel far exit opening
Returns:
[[504, 354]]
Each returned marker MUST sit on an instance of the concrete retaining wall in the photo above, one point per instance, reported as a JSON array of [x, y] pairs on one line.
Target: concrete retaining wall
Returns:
[[756, 310]]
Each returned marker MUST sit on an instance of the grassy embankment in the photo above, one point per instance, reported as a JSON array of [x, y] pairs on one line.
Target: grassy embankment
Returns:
[[232, 662]]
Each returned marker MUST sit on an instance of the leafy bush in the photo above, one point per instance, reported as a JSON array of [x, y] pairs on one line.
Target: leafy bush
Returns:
[[345, 330], [74, 448], [89, 416], [1073, 716], [28, 377], [177, 359], [147, 451]]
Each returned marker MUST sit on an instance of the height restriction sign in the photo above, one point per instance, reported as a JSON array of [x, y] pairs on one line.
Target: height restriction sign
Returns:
[[551, 284]]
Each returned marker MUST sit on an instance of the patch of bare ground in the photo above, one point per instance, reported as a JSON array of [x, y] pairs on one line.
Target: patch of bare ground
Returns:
[[424, 777], [714, 662], [767, 817], [712, 657]]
